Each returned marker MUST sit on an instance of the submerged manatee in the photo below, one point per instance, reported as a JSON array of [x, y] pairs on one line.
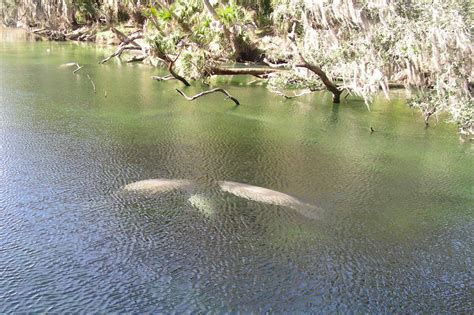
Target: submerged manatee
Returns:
[[156, 186], [162, 185], [269, 196], [203, 204]]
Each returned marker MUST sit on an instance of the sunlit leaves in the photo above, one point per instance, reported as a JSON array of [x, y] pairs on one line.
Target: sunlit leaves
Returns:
[[424, 44]]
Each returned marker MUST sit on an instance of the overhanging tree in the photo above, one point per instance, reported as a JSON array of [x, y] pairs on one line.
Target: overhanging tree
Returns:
[[367, 44]]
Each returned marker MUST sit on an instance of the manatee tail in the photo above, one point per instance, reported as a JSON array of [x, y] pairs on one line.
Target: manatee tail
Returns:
[[308, 211]]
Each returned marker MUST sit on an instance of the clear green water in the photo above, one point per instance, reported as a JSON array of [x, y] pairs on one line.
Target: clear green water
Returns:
[[394, 232]]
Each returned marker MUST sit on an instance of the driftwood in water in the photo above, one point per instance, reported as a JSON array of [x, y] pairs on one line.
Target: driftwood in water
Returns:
[[192, 98]]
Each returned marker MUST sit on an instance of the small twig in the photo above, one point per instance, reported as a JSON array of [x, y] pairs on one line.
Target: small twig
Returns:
[[92, 82], [192, 98]]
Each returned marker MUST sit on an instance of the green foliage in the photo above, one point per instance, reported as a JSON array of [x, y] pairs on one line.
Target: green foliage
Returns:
[[85, 10], [424, 44], [364, 45], [229, 14]]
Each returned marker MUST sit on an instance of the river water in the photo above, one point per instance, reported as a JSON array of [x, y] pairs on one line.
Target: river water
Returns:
[[392, 230]]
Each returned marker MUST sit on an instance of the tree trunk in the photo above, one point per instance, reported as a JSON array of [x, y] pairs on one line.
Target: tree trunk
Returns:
[[243, 71], [336, 92]]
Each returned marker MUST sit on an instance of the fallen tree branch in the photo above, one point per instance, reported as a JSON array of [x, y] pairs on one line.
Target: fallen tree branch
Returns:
[[165, 78], [170, 62], [173, 73], [336, 92], [78, 68], [192, 98], [257, 72], [119, 52], [127, 40], [130, 39]]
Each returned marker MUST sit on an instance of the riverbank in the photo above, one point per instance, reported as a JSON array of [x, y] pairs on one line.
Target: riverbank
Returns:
[[351, 56]]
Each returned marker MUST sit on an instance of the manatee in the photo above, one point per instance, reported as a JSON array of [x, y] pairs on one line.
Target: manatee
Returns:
[[269, 196], [203, 204], [156, 186]]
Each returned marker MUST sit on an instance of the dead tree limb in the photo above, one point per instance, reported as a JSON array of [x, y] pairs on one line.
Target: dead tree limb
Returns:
[[192, 98], [119, 52], [336, 92], [130, 39], [78, 68], [256, 72], [126, 40], [170, 62], [165, 78], [177, 76], [173, 73]]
